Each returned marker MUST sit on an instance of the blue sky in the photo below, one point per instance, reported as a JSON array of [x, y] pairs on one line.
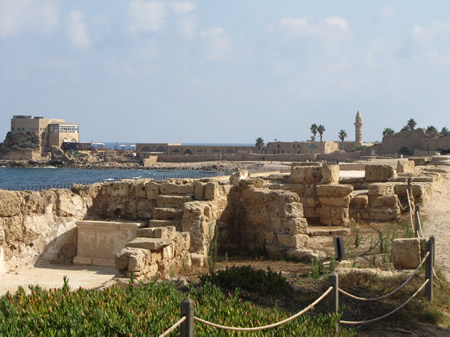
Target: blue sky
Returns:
[[225, 71]]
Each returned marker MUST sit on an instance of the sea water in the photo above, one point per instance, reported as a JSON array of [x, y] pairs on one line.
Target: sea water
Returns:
[[44, 178]]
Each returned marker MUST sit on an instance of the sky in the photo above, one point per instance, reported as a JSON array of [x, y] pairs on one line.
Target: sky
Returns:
[[210, 71]]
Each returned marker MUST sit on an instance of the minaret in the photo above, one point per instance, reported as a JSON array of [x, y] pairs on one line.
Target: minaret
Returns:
[[358, 128]]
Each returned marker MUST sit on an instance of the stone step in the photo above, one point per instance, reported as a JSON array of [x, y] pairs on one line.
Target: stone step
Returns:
[[328, 231], [148, 243], [172, 201], [156, 232], [164, 223], [161, 213]]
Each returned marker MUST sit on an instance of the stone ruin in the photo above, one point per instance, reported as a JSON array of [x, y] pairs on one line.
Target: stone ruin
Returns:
[[147, 227]]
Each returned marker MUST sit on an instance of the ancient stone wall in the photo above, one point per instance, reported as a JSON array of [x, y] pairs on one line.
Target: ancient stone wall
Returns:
[[40, 226]]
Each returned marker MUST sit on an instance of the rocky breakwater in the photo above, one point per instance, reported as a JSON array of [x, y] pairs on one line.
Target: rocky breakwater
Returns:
[[39, 227]]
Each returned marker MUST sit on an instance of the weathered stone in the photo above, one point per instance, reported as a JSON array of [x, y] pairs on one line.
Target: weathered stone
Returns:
[[384, 214], [406, 253], [10, 203], [251, 183], [292, 241], [381, 189], [238, 176], [199, 260], [404, 166], [148, 243], [152, 189], [297, 226], [335, 201], [334, 190], [330, 174], [379, 173], [359, 201], [420, 191], [306, 174], [120, 189], [167, 213], [172, 201], [337, 216], [211, 191], [388, 201], [198, 190], [177, 189], [302, 254]]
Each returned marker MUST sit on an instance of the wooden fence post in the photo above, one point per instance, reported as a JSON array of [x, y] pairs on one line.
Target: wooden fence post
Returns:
[[187, 309], [417, 220], [429, 269]]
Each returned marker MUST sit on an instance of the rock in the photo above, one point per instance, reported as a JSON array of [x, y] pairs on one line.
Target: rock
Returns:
[[238, 176], [292, 241], [330, 174], [381, 189], [198, 190], [334, 190], [379, 173], [306, 174], [406, 253], [303, 254], [404, 166], [152, 190], [359, 201], [211, 191], [10, 203], [177, 189]]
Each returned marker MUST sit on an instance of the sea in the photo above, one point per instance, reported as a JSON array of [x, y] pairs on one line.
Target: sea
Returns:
[[51, 177]]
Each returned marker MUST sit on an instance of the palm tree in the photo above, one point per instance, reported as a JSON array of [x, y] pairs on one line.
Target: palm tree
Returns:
[[313, 129], [259, 144], [445, 132], [388, 131], [320, 130], [411, 124], [432, 131], [405, 128], [342, 135]]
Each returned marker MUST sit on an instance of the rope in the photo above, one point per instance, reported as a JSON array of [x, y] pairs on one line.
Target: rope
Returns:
[[410, 210], [389, 313], [173, 327], [214, 325], [392, 292]]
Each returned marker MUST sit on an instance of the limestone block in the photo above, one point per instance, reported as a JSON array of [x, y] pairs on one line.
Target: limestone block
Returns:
[[292, 241], [379, 173], [334, 190], [335, 201], [311, 212], [169, 201], [152, 189], [176, 189], [381, 189], [297, 226], [330, 174], [124, 256], [337, 216], [164, 232], [265, 238], [384, 214], [238, 176], [296, 188], [404, 166], [211, 191], [406, 253], [120, 189], [359, 201], [198, 190], [302, 254], [10, 203], [388, 201], [69, 204], [167, 252], [311, 202], [140, 190], [306, 174], [82, 261], [251, 183]]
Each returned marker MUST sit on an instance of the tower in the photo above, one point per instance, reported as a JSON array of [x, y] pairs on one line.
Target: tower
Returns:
[[358, 128]]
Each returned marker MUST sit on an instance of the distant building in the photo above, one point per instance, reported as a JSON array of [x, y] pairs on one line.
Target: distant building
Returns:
[[51, 132]]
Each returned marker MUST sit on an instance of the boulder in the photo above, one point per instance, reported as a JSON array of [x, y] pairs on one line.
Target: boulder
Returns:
[[10, 203]]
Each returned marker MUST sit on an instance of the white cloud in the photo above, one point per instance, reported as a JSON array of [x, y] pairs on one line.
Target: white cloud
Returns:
[[146, 16], [182, 7], [17, 16], [216, 43], [426, 35], [387, 12], [77, 30], [328, 28], [188, 25], [381, 51]]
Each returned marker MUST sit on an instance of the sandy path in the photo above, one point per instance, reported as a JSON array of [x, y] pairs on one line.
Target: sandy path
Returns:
[[436, 220]]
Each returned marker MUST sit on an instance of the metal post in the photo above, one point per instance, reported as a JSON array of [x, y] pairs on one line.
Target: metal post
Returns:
[[333, 296], [187, 309], [429, 269]]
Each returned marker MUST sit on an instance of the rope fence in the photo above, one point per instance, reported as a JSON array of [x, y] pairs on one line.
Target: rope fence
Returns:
[[392, 292], [186, 323], [270, 326]]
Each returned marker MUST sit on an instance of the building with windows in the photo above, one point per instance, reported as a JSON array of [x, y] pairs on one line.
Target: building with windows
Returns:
[[51, 132]]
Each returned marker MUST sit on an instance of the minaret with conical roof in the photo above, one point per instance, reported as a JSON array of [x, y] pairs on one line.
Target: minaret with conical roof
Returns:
[[358, 128]]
